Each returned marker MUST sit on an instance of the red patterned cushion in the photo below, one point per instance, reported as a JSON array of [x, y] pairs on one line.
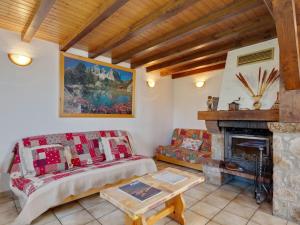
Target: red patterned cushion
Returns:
[[41, 160], [85, 151], [116, 147]]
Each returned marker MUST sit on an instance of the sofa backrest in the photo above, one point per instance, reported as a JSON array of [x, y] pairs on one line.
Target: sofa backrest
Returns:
[[86, 139], [204, 135]]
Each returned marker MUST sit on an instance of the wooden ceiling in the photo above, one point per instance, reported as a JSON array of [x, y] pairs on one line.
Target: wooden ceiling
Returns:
[[175, 37]]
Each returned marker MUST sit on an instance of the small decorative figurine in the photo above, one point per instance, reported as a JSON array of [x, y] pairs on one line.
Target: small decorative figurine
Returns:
[[209, 103], [234, 106], [215, 103], [276, 103]]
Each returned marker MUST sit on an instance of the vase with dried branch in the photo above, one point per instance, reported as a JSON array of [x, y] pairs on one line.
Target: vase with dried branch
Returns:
[[265, 81]]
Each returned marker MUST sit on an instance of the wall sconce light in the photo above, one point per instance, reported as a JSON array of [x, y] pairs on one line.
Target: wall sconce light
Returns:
[[20, 60], [199, 84], [151, 83]]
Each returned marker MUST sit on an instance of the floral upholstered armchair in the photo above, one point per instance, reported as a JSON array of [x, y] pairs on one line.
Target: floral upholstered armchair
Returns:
[[189, 148]]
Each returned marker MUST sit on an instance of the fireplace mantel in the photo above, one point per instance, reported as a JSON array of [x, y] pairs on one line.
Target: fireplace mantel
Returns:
[[270, 115]]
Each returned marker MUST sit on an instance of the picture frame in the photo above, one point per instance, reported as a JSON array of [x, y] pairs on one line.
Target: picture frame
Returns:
[[91, 88]]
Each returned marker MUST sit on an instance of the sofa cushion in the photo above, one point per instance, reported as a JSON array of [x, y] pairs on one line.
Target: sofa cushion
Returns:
[[180, 134], [66, 139], [184, 154], [192, 144], [116, 147], [43, 159]]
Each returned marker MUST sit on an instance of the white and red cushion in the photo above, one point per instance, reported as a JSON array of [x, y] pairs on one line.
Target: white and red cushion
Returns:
[[116, 147], [42, 159], [192, 144]]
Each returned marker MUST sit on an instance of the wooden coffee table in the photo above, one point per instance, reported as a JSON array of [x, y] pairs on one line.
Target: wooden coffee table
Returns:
[[170, 195]]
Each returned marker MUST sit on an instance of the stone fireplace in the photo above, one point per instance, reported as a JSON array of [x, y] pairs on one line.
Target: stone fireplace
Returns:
[[284, 148]]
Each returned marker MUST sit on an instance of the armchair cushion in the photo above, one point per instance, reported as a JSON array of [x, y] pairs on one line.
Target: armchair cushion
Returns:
[[184, 154]]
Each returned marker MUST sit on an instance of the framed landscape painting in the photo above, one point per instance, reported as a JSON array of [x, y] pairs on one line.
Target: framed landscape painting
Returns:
[[90, 88]]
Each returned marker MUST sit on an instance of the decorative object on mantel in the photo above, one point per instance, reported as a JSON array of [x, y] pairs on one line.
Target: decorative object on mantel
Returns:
[[215, 103], [264, 82], [212, 103], [234, 106], [276, 103], [209, 103]]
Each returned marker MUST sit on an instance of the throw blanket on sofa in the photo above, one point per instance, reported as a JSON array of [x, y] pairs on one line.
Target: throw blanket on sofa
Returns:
[[37, 194], [40, 200]]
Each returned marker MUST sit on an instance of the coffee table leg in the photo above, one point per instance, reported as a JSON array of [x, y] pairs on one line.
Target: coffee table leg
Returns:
[[137, 220], [178, 214]]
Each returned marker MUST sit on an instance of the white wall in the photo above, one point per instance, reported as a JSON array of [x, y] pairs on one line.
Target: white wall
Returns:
[[232, 88], [188, 99], [29, 101]]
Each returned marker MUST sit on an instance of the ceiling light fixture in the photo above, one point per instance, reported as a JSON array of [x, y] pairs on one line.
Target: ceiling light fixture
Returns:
[[199, 84], [20, 60], [151, 83]]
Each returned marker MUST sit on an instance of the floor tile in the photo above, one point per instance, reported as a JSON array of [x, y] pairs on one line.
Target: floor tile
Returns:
[[78, 218], [191, 219], [67, 209], [291, 223], [212, 223], [229, 195], [216, 201], [252, 223], [196, 193], [55, 222], [229, 187], [101, 209], [207, 187], [240, 210], [162, 221], [266, 219], [189, 201], [266, 207], [226, 218], [5, 198], [246, 201], [91, 201], [45, 218], [6, 206], [205, 209], [249, 191], [8, 216], [116, 216], [94, 222]]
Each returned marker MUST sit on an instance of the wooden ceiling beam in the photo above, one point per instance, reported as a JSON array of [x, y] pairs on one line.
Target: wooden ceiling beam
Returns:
[[198, 71], [200, 24], [37, 19], [287, 33], [257, 36], [218, 37], [169, 10], [194, 65], [100, 15], [269, 6]]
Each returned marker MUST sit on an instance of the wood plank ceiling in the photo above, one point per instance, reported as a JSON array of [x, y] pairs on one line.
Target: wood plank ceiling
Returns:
[[174, 37]]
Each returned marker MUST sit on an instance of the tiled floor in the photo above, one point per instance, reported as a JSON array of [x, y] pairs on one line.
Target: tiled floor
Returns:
[[230, 204]]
